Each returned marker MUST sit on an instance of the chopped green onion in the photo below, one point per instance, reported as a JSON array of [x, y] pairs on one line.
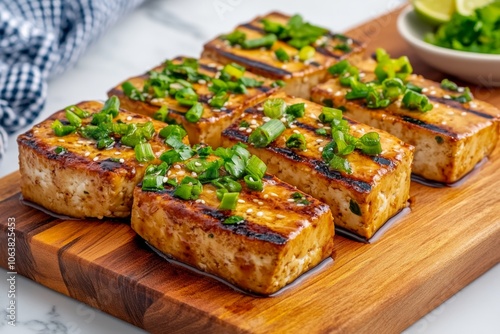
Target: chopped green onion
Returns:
[[439, 139], [78, 111], [256, 167], [391, 68], [132, 92], [227, 182], [234, 70], [415, 101], [194, 113], [354, 207], [339, 68], [152, 183], [344, 47], [272, 27], [186, 97], [173, 130], [266, 133], [233, 220], [181, 153], [329, 114], [197, 165], [253, 183], [298, 141], [160, 169], [244, 124], [144, 152], [274, 108], [296, 110], [250, 82], [105, 143], [300, 198], [278, 83], [189, 188], [413, 87], [340, 164], [369, 143], [229, 201], [321, 132], [219, 99], [111, 106], [61, 130], [73, 119], [218, 85], [266, 41], [306, 53], [342, 147], [161, 114], [393, 88], [60, 150], [236, 37], [449, 85], [282, 55], [465, 97]]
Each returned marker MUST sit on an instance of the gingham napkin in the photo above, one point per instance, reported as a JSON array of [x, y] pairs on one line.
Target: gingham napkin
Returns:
[[39, 39]]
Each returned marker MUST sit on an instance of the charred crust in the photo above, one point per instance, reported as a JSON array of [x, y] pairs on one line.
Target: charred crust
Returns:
[[459, 106]]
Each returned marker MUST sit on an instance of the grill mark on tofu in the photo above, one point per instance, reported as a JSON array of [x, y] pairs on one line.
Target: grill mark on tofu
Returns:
[[428, 126], [253, 27], [234, 133], [250, 63], [458, 105], [383, 161], [211, 69]]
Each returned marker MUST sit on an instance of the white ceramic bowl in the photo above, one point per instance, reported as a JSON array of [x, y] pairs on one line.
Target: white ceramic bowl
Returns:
[[478, 68]]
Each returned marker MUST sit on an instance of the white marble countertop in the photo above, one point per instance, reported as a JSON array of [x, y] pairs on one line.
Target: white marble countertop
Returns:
[[162, 29]]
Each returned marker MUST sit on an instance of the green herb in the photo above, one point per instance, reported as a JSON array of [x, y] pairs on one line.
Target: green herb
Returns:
[[234, 70], [266, 133], [278, 83], [298, 141], [233, 220], [388, 68], [188, 189], [194, 113], [255, 167], [73, 118], [300, 198], [296, 110], [186, 97], [465, 97], [78, 111], [152, 182], [344, 47], [354, 207], [413, 87], [250, 82], [131, 91], [321, 132], [369, 143], [274, 108], [340, 164], [181, 153], [306, 53], [282, 55], [244, 124], [219, 99], [105, 143], [236, 37], [266, 41], [144, 152], [415, 101], [449, 85], [61, 130], [253, 183], [229, 201], [439, 139], [329, 114], [59, 150]]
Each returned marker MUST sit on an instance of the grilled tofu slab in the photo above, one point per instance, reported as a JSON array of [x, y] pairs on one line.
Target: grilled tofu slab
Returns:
[[450, 139], [298, 75], [69, 175], [276, 240], [362, 201], [213, 119]]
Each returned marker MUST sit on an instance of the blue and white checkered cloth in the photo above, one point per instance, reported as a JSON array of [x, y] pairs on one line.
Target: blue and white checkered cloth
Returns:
[[39, 39]]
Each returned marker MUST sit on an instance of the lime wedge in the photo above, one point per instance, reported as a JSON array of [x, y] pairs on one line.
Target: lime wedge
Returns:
[[467, 7], [435, 12]]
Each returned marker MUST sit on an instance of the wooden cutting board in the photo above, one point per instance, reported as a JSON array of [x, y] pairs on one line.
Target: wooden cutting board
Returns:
[[451, 237]]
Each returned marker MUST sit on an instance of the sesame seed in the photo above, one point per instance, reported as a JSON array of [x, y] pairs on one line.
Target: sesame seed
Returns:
[[266, 119], [319, 140], [425, 90], [249, 210], [260, 203], [300, 204], [463, 113], [362, 75], [291, 200], [436, 105], [260, 108], [253, 121], [273, 194], [283, 66], [61, 140], [280, 216], [223, 108], [177, 166], [296, 131], [293, 126], [242, 128], [329, 90], [96, 158], [118, 153], [321, 125], [129, 118], [122, 160], [254, 126], [249, 130], [313, 116], [197, 164], [80, 142], [446, 97], [327, 127], [243, 115], [220, 67], [165, 179], [266, 196], [472, 105], [432, 92], [202, 201], [241, 201], [260, 214], [87, 154], [194, 174], [320, 149], [202, 82], [255, 200], [338, 93], [169, 172], [283, 119], [443, 122], [216, 110], [181, 172], [212, 65], [450, 113]]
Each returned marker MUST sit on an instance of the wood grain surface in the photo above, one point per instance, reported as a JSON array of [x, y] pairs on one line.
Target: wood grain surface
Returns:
[[451, 237]]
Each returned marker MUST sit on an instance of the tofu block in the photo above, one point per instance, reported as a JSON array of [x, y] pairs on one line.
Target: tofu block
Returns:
[[449, 140], [70, 176], [298, 75], [213, 120], [278, 240], [361, 202]]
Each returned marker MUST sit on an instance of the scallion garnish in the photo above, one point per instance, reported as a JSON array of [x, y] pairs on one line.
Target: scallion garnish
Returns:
[[186, 97], [340, 164], [256, 167], [300, 198], [369, 143], [266, 41], [152, 182], [465, 97], [229, 201], [274, 108], [306, 53], [449, 85], [298, 141], [278, 83], [250, 82], [194, 113], [161, 114], [233, 220], [219, 99], [105, 143], [236, 37], [78, 111], [282, 55], [253, 183], [296, 110], [59, 150], [329, 114], [234, 70], [144, 152], [61, 130], [321, 132], [131, 91], [415, 101], [266, 133], [189, 188]]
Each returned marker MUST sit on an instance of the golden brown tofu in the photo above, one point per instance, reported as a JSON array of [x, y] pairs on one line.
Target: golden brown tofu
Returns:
[[450, 139], [69, 175], [362, 201], [277, 240], [213, 120], [298, 75]]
